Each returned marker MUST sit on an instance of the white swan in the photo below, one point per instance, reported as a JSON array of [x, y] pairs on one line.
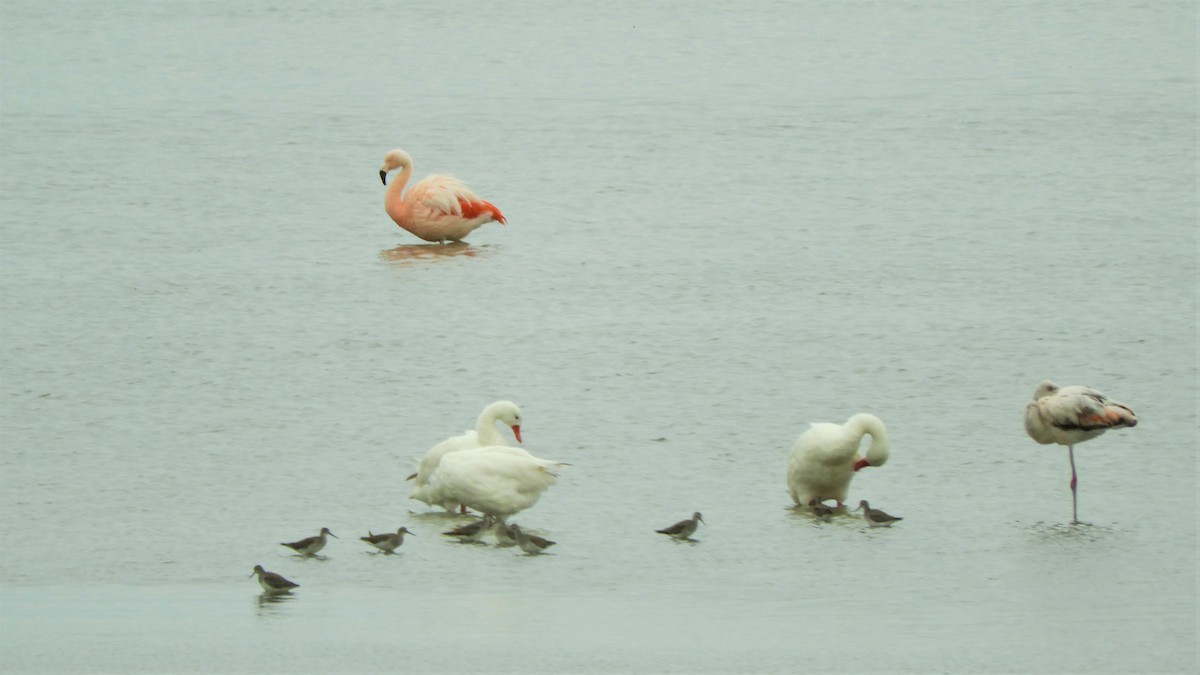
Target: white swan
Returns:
[[497, 481], [485, 434], [825, 457]]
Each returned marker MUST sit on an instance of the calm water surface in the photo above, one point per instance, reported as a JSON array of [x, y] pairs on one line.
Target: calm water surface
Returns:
[[725, 221]]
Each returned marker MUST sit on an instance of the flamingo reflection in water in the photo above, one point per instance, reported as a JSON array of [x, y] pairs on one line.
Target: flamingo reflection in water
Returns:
[[431, 253]]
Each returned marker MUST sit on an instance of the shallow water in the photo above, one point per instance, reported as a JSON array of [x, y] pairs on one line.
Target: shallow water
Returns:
[[723, 224]]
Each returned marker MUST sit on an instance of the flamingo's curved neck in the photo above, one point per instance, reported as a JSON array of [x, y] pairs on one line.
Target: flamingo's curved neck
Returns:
[[393, 201]]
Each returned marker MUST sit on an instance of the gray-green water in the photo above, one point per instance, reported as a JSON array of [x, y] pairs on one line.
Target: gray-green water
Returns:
[[725, 221]]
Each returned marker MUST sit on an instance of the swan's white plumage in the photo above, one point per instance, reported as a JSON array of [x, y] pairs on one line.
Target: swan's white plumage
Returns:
[[484, 434], [495, 480], [824, 458]]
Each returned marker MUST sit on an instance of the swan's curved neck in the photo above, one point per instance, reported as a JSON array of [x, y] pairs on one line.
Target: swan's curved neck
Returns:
[[865, 424], [485, 427]]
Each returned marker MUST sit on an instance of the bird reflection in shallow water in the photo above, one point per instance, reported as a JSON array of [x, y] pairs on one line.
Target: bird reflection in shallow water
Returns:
[[430, 253], [267, 601]]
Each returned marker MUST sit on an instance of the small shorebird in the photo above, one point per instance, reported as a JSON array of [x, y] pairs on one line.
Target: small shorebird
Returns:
[[310, 545], [504, 535], [1071, 415], [530, 543], [271, 582], [875, 517], [684, 529], [821, 509], [472, 532], [387, 542]]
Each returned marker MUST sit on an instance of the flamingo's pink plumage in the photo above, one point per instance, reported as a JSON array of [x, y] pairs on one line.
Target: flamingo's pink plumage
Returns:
[[436, 208]]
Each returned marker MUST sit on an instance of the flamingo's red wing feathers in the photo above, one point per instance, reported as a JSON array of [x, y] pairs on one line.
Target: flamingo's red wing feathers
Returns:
[[1110, 417], [474, 209]]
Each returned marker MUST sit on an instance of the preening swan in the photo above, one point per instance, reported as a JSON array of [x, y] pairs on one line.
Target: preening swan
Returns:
[[1070, 415], [437, 208], [484, 434], [825, 457]]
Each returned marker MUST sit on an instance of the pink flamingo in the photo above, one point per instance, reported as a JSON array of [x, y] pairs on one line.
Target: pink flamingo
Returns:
[[437, 208], [1070, 415]]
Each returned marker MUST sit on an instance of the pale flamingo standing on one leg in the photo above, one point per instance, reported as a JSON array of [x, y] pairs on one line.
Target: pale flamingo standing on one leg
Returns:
[[825, 457], [437, 208], [1070, 415]]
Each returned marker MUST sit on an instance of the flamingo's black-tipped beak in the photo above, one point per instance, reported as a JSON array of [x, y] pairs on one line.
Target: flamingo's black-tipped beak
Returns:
[[383, 177]]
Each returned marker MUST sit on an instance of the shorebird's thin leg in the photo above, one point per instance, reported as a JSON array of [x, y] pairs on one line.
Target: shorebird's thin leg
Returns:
[[1074, 482]]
